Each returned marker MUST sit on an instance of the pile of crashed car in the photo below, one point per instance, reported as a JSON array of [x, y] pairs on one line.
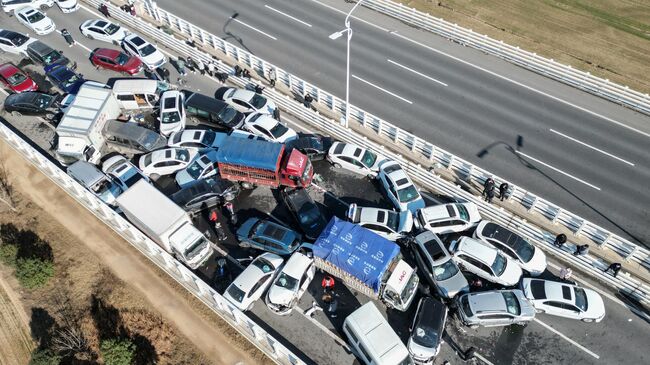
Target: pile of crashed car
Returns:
[[141, 131]]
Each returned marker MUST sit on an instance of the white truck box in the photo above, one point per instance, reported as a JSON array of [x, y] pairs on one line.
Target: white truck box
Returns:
[[165, 223], [80, 130]]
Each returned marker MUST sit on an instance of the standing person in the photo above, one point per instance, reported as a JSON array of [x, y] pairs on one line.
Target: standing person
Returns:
[[246, 74], [488, 184], [222, 77], [560, 240], [211, 68], [581, 250], [614, 268], [165, 73], [327, 283], [104, 10], [180, 66], [200, 65], [189, 62], [490, 194], [68, 37], [132, 9], [272, 77], [308, 100], [259, 88], [566, 273], [238, 71], [503, 190], [331, 303]]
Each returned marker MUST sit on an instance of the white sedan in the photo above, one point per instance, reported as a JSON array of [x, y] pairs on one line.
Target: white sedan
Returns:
[[529, 257], [270, 129], [68, 6], [448, 218], [387, 223], [354, 158], [246, 101], [490, 264], [103, 30], [166, 161], [172, 112], [249, 286], [290, 284], [134, 45], [564, 300], [35, 20]]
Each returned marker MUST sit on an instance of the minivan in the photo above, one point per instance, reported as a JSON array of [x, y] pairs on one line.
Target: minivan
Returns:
[[96, 181], [372, 338], [130, 138], [135, 94], [203, 109]]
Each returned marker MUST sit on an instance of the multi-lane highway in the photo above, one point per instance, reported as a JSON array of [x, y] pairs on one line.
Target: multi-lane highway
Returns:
[[580, 152], [621, 338]]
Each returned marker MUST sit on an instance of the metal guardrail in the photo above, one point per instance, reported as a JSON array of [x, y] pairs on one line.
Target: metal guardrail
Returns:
[[230, 314], [604, 88], [419, 147]]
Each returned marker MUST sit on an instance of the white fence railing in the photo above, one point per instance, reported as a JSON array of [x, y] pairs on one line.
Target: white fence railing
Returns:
[[419, 147], [233, 316], [620, 94]]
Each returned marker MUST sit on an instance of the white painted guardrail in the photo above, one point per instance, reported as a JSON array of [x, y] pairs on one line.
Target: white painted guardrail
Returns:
[[419, 147], [604, 88], [274, 349]]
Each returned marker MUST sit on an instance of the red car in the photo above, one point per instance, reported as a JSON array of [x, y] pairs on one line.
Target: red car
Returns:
[[115, 60], [15, 79]]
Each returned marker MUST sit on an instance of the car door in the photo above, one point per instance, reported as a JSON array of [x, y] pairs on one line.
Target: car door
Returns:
[[307, 277], [476, 267], [424, 264], [263, 132], [98, 33], [556, 308], [130, 49], [241, 105], [23, 19], [108, 63]]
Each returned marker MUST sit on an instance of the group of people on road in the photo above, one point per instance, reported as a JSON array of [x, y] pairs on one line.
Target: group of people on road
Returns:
[[489, 190]]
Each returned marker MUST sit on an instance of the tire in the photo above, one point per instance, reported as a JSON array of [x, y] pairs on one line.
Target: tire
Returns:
[[49, 116], [16, 113], [336, 165], [154, 177], [244, 245], [587, 320], [44, 7], [540, 311], [229, 197], [90, 36]]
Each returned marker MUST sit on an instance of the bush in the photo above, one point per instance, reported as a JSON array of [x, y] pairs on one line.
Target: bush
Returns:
[[33, 272], [44, 357], [117, 351], [8, 254]]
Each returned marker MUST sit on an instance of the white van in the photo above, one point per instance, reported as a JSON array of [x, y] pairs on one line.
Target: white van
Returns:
[[136, 94], [372, 338]]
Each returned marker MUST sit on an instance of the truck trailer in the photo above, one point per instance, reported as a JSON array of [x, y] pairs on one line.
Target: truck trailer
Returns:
[[366, 262], [253, 162], [165, 223]]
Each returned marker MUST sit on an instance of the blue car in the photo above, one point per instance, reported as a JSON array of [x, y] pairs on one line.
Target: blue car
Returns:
[[202, 166], [265, 235], [64, 78]]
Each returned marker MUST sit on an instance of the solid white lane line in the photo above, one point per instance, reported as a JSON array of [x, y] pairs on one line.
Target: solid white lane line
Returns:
[[382, 89], [558, 170], [77, 43], [333, 335], [417, 73], [592, 147], [255, 29], [480, 357], [522, 85], [288, 16], [567, 338]]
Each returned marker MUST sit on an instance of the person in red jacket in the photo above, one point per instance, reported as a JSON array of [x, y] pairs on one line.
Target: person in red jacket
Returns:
[[327, 283]]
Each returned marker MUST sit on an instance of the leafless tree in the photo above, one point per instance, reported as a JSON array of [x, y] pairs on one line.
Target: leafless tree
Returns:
[[6, 190], [70, 340]]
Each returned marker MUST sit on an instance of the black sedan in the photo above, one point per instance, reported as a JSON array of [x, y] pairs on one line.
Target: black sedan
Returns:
[[313, 145], [427, 329], [205, 193], [32, 103], [305, 211]]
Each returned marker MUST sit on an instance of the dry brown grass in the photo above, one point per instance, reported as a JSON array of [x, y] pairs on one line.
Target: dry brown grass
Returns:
[[609, 38]]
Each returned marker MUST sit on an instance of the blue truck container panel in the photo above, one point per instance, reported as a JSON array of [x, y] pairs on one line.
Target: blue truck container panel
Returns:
[[249, 152]]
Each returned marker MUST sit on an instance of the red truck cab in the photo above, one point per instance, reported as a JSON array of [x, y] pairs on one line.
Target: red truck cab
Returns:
[[254, 162]]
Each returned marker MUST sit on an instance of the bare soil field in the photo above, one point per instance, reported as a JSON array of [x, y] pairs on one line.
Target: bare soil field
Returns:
[[15, 341], [609, 38], [104, 286]]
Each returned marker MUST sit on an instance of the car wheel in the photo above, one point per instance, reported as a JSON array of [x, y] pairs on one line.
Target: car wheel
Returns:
[[49, 116], [244, 245], [336, 165], [16, 113], [473, 326], [540, 311], [90, 36], [587, 320]]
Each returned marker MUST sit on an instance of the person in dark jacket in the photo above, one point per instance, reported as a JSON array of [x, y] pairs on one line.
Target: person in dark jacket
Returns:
[[68, 37], [104, 10], [503, 190], [581, 250], [307, 100], [614, 268], [238, 71], [560, 240]]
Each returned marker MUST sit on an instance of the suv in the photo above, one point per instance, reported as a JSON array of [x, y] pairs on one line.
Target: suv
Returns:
[[45, 55], [387, 223], [9, 5], [490, 264], [305, 211], [265, 235], [495, 308], [399, 187], [448, 218], [437, 265], [14, 42]]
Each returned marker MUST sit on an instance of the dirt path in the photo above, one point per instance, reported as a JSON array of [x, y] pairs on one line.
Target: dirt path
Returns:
[[123, 260], [15, 341]]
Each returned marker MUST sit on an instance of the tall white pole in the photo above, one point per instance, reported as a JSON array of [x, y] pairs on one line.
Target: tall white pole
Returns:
[[347, 81]]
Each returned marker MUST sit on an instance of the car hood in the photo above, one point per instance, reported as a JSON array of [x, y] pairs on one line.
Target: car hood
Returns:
[[406, 222], [537, 263], [512, 274], [280, 296], [454, 285], [420, 352], [43, 24], [154, 58], [415, 205], [595, 305]]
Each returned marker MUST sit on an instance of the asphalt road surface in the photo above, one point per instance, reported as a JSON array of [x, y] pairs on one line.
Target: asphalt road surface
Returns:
[[621, 338], [580, 152]]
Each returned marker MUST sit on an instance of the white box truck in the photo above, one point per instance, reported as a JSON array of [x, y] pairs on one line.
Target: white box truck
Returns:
[[165, 223], [80, 130]]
